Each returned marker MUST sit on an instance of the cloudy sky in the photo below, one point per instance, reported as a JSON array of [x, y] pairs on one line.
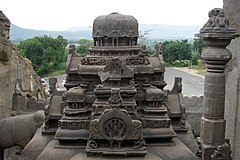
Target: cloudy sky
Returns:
[[64, 14]]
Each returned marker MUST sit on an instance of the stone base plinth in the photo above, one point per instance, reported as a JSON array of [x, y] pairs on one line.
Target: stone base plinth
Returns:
[[210, 152]]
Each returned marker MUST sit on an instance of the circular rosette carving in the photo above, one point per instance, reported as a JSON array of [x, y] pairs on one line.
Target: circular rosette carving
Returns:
[[115, 128], [115, 125]]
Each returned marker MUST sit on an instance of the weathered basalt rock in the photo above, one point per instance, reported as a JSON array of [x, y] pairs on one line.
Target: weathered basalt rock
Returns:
[[19, 130], [4, 33], [18, 82], [232, 11], [16, 72]]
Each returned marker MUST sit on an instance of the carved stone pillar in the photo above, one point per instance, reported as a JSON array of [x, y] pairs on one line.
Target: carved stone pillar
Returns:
[[216, 35]]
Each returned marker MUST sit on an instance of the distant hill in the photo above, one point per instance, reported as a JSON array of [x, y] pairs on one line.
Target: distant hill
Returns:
[[18, 33], [74, 29], [155, 31]]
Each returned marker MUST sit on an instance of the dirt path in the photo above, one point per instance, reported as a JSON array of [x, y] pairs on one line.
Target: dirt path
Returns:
[[193, 83], [190, 71]]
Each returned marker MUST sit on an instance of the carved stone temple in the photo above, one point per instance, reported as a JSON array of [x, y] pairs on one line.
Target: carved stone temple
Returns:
[[116, 107], [115, 104]]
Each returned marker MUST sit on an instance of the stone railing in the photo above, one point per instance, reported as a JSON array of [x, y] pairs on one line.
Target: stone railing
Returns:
[[194, 109]]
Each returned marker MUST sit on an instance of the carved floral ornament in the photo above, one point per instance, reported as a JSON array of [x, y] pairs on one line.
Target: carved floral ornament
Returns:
[[93, 61]]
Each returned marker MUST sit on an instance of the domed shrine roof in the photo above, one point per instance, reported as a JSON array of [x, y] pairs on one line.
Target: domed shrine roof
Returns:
[[115, 25]]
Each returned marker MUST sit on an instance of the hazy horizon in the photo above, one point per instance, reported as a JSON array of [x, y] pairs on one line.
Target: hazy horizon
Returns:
[[60, 15], [89, 27]]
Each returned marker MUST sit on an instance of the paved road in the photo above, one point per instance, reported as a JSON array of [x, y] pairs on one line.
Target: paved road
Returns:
[[192, 85]]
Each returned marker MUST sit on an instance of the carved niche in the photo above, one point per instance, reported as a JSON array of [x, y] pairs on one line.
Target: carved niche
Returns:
[[115, 69], [115, 129]]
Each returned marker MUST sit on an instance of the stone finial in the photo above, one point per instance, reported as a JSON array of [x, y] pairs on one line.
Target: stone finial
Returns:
[[52, 85], [217, 22], [158, 48]]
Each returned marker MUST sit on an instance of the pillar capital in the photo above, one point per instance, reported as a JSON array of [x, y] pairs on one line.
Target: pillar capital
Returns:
[[216, 35]]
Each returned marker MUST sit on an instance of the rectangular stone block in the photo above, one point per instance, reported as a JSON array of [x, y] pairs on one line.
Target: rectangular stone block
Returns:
[[212, 131]]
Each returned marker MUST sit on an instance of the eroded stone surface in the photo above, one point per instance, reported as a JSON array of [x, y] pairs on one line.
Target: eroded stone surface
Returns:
[[115, 104], [18, 131], [16, 72], [232, 10]]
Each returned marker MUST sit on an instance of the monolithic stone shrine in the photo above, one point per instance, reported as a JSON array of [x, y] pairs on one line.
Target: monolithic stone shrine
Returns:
[[116, 107], [115, 104]]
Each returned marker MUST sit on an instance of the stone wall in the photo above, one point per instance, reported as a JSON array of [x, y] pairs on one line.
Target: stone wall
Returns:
[[15, 70], [232, 101]]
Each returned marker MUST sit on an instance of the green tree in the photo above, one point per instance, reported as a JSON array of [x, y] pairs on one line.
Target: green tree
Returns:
[[47, 54], [195, 58], [179, 50], [84, 45], [198, 45]]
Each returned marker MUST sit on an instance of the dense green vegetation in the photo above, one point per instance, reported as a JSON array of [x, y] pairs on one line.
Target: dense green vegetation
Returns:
[[180, 53], [198, 45], [176, 52], [83, 46], [47, 54]]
